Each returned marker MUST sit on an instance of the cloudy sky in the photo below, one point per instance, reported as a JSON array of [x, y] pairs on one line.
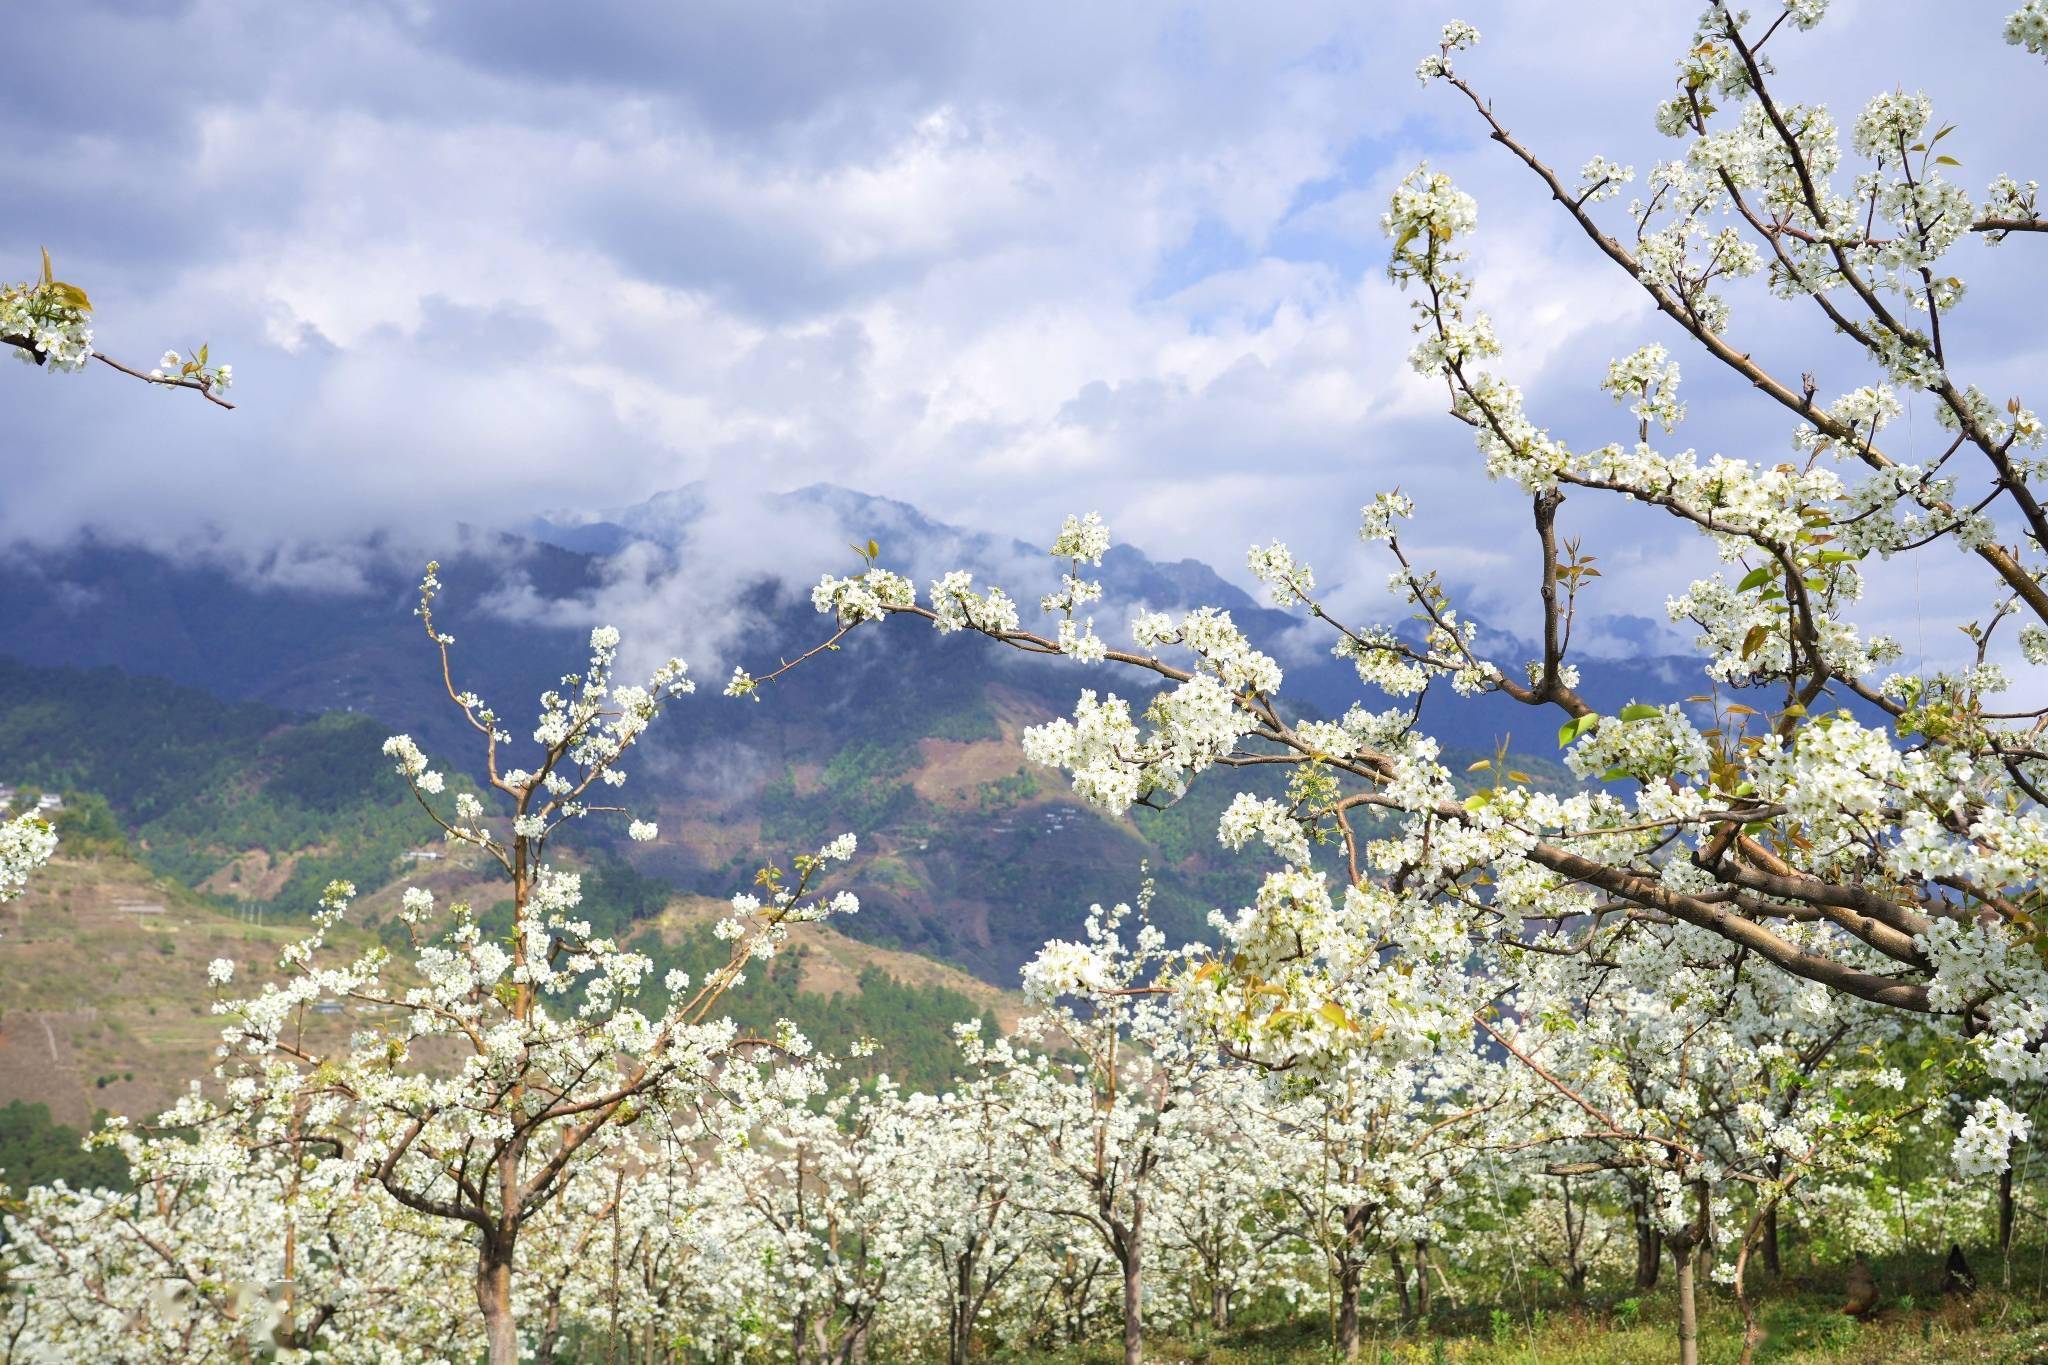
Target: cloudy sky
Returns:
[[476, 261]]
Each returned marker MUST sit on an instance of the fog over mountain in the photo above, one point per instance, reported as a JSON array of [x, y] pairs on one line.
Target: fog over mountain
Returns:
[[900, 736], [722, 581]]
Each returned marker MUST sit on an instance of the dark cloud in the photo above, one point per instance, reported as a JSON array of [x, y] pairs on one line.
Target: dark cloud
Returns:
[[472, 262], [740, 67]]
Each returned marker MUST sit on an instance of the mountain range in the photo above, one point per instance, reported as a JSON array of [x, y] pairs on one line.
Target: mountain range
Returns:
[[905, 737]]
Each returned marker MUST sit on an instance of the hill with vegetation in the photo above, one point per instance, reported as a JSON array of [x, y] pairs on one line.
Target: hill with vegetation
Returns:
[[968, 853], [105, 1007]]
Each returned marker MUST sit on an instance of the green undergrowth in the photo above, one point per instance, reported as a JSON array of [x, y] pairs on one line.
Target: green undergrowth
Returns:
[[1802, 1321]]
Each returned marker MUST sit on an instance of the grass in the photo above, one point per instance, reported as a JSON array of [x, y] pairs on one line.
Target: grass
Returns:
[[1803, 1323]]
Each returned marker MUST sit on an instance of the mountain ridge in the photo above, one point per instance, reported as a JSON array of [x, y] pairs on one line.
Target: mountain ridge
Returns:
[[906, 737]]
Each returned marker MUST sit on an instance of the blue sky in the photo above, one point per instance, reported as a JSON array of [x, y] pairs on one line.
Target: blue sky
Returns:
[[472, 262]]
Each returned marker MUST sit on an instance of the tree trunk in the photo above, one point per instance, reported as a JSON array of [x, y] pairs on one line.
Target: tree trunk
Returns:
[[1770, 1247], [1649, 1250], [1684, 1263], [1134, 1319], [1129, 1245], [1401, 1282], [1347, 1311], [2005, 1219], [960, 1337], [1219, 1303], [1422, 1279], [855, 1351], [494, 1298]]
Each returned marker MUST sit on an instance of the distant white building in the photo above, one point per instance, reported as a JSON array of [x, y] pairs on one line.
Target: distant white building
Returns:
[[48, 803]]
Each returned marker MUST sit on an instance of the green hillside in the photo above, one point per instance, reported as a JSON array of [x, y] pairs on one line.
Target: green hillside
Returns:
[[968, 854], [199, 784]]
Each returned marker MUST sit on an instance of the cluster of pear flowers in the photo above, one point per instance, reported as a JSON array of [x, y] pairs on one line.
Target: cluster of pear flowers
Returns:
[[196, 369], [26, 843], [2027, 27], [49, 324]]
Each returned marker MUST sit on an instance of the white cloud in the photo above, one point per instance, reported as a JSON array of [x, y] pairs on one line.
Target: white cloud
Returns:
[[1001, 262]]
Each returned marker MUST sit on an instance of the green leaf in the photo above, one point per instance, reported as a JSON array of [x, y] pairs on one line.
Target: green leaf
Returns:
[[1615, 774], [1755, 578], [1639, 711], [1573, 728], [1839, 557]]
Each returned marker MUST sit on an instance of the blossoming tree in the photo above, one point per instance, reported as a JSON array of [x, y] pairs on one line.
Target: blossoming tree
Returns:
[[1104, 1127], [559, 1065], [1878, 834]]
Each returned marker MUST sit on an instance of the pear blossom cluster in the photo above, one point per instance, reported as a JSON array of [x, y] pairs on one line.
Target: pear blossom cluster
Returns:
[[175, 368], [26, 843], [2027, 27], [48, 324]]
